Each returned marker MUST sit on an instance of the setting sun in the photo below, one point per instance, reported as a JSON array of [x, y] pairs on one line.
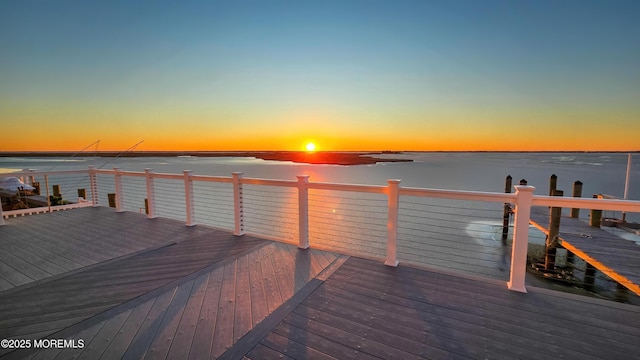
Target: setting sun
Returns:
[[310, 146]]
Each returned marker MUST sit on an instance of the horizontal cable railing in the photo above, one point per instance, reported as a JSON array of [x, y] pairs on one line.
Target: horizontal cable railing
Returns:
[[460, 230], [271, 211], [213, 204], [454, 234], [348, 222]]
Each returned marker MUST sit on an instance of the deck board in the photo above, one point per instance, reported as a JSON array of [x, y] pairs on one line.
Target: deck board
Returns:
[[67, 239], [203, 336], [364, 307], [181, 342], [270, 283], [259, 306]]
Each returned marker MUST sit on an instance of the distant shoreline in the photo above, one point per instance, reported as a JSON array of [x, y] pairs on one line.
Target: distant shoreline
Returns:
[[321, 157]]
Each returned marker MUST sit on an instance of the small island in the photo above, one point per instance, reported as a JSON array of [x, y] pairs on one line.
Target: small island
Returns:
[[329, 158], [319, 157]]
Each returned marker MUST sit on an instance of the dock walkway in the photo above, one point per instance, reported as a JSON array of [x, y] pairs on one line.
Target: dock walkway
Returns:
[[614, 256], [209, 294]]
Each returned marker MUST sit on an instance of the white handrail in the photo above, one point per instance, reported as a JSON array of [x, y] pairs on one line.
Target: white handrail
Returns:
[[587, 203], [459, 194], [42, 173]]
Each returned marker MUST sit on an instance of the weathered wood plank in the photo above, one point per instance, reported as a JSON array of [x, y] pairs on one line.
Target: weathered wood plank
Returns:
[[104, 336], [270, 281], [181, 343], [327, 342], [224, 322], [251, 339], [13, 276], [349, 334], [259, 306], [123, 338], [490, 316], [416, 341], [35, 259], [283, 269], [149, 327], [163, 338], [562, 314], [87, 335], [243, 299], [203, 336], [294, 350], [301, 266], [262, 352]]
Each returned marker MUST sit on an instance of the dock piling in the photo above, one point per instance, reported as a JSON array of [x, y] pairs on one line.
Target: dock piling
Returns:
[[553, 183], [554, 230], [507, 211], [596, 216], [112, 199], [577, 192]]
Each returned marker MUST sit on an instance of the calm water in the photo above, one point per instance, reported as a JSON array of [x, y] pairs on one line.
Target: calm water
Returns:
[[600, 173]]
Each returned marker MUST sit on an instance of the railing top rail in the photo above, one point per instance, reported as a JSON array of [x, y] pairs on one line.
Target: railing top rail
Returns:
[[42, 173], [269, 182], [587, 203], [458, 194], [221, 179], [376, 189]]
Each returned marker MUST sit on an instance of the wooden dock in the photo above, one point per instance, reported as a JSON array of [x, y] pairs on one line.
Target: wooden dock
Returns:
[[614, 256], [197, 293]]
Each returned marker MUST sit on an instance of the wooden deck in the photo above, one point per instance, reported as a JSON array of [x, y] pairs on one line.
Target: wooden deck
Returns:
[[614, 256], [214, 295]]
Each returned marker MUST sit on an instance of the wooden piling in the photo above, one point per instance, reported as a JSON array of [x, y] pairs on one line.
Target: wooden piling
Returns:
[[589, 277], [82, 193], [507, 211], [56, 191], [554, 230], [36, 185], [146, 206], [553, 183], [112, 200], [596, 216], [523, 182], [577, 192]]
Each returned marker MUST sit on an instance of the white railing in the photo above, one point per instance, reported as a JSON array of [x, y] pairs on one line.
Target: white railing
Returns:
[[132, 188]]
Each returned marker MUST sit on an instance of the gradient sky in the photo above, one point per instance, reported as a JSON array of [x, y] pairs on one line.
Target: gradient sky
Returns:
[[351, 75]]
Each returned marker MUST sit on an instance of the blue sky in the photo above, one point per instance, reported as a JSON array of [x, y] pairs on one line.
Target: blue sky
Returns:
[[349, 74]]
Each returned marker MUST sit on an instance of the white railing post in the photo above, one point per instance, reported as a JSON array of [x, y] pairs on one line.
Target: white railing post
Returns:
[[119, 192], [237, 204], [303, 211], [93, 185], [523, 201], [151, 194], [188, 196], [393, 200]]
